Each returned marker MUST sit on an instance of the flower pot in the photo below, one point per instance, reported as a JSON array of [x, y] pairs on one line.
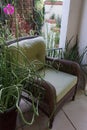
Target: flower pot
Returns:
[[8, 119], [51, 21]]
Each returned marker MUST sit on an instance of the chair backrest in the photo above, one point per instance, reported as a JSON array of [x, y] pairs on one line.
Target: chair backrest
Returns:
[[29, 50]]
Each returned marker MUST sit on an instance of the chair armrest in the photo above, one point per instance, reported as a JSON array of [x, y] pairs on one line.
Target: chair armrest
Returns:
[[48, 104], [66, 66], [55, 53]]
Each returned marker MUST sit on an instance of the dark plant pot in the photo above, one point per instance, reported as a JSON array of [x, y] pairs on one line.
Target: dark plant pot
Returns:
[[8, 119]]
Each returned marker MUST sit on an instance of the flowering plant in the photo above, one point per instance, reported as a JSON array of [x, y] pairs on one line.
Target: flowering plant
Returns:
[[9, 9], [13, 76]]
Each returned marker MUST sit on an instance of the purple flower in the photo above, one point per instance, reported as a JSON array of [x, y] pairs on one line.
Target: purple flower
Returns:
[[9, 9]]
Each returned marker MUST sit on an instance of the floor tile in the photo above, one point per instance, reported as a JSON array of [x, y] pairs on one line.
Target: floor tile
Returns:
[[43, 121], [18, 129], [27, 112], [40, 122], [73, 116], [61, 122], [25, 105], [33, 127], [77, 111]]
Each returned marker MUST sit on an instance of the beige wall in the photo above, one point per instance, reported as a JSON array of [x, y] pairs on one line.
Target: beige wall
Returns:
[[83, 31], [74, 18]]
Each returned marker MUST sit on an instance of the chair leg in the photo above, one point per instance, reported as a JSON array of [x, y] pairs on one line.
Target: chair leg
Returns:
[[51, 121], [73, 98]]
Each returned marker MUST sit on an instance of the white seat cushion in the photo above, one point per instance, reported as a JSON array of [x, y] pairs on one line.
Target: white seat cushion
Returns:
[[62, 82]]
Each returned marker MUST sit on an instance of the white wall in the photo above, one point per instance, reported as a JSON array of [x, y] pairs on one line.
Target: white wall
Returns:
[[83, 31], [70, 20], [64, 23], [53, 9]]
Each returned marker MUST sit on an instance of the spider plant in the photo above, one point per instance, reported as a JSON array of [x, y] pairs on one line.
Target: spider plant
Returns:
[[13, 77], [72, 53]]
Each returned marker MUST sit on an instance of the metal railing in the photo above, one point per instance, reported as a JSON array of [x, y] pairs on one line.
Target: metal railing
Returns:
[[55, 53]]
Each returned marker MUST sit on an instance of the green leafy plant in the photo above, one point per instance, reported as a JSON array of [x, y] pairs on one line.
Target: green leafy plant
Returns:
[[57, 38], [58, 21], [52, 16], [38, 18], [71, 52], [14, 75]]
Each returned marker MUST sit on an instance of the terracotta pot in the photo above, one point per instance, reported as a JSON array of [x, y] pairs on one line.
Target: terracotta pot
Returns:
[[8, 119], [48, 2], [51, 21]]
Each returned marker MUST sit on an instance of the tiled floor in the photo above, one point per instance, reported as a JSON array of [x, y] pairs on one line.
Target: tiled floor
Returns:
[[73, 116]]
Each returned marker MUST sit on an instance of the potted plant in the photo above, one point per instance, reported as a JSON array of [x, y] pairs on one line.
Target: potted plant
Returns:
[[52, 19], [13, 77]]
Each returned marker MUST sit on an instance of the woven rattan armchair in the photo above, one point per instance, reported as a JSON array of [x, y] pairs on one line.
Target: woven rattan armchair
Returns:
[[61, 85]]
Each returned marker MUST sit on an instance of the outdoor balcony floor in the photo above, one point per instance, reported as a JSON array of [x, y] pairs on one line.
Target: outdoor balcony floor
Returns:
[[73, 116]]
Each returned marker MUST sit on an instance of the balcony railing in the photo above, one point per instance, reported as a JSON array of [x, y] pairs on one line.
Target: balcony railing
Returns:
[[55, 52]]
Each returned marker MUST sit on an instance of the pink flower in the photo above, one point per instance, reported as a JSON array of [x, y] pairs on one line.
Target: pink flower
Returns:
[[9, 9]]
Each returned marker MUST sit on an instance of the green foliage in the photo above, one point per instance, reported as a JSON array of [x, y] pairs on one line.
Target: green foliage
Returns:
[[52, 16], [14, 75], [57, 38], [71, 53], [5, 32], [3, 17], [13, 79], [58, 22], [38, 18]]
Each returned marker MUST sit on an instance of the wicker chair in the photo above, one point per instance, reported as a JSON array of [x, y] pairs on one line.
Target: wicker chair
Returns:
[[61, 85]]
